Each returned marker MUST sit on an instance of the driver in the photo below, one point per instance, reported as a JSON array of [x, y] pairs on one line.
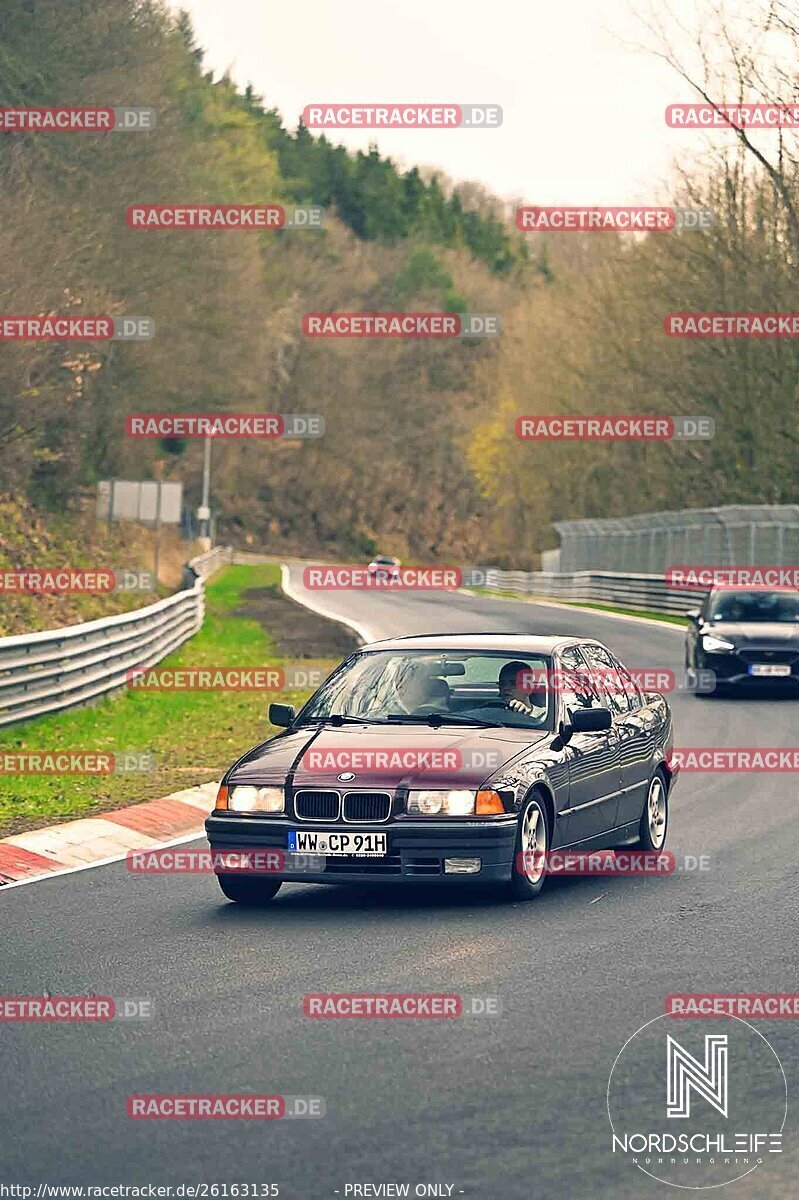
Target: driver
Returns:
[[517, 694]]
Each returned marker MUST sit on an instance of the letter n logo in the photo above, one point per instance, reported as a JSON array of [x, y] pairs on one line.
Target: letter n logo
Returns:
[[708, 1080]]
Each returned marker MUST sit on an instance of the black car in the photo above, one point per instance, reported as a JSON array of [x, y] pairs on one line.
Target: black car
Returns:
[[430, 759], [748, 638]]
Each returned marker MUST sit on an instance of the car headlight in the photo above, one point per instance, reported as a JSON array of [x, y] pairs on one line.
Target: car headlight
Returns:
[[715, 644], [257, 799], [441, 804]]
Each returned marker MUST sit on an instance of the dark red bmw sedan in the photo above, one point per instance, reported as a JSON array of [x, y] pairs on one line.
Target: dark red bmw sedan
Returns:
[[449, 759]]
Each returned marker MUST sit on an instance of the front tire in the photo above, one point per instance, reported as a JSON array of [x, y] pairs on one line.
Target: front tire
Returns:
[[529, 873], [252, 893], [696, 691], [655, 817]]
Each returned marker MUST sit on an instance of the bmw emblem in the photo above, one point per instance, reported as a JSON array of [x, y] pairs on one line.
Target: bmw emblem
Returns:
[[347, 776]]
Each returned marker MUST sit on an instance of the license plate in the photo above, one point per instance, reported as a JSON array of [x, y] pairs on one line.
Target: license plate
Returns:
[[769, 669], [328, 841]]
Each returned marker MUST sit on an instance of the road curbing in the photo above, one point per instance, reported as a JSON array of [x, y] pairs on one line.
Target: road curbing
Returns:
[[90, 841]]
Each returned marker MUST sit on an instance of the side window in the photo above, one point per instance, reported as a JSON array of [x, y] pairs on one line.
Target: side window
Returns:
[[576, 686], [608, 682], [634, 694]]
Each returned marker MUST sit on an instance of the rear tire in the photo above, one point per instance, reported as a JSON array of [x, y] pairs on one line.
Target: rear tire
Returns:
[[252, 893], [528, 874]]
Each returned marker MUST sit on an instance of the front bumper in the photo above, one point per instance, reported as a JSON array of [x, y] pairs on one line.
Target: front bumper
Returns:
[[732, 668], [415, 853]]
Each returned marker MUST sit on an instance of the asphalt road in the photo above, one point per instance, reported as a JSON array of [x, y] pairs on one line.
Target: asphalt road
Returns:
[[512, 1106]]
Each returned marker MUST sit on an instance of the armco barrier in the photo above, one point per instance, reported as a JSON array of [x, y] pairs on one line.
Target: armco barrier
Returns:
[[206, 564], [59, 668], [598, 587]]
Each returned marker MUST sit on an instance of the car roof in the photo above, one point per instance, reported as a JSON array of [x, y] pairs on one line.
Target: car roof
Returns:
[[516, 643]]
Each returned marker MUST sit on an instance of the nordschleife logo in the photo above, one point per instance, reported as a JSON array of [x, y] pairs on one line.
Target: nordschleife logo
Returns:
[[700, 1110]]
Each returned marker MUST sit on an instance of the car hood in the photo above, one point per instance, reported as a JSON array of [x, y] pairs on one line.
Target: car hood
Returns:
[[754, 633], [384, 756]]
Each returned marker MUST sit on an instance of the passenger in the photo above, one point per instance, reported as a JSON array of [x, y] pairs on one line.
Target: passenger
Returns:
[[421, 690]]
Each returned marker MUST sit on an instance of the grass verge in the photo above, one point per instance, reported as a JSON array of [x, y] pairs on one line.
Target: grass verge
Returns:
[[666, 618], [192, 736]]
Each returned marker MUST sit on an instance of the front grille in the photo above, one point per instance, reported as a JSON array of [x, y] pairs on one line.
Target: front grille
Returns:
[[367, 806], [768, 656], [422, 866], [316, 806], [388, 864]]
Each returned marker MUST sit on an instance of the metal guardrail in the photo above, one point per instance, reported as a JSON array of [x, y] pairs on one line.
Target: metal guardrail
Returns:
[[59, 668], [206, 564], [598, 587]]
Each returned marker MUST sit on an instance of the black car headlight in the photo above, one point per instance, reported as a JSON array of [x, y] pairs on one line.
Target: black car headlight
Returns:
[[716, 645]]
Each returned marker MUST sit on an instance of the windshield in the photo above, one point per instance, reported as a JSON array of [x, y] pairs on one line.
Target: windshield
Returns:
[[754, 606], [386, 562], [447, 687]]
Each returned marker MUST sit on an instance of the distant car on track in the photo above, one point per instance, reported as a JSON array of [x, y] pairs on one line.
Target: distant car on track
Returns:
[[748, 638], [520, 771], [384, 567]]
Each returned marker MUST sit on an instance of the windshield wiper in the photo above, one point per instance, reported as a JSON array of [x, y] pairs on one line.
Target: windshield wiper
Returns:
[[338, 719], [442, 719]]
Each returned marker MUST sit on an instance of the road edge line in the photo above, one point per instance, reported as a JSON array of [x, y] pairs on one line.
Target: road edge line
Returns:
[[363, 633]]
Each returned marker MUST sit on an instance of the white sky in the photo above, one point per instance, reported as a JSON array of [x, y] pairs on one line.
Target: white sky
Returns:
[[583, 111]]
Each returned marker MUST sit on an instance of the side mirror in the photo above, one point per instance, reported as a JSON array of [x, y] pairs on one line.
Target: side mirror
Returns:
[[693, 615], [591, 720], [281, 714]]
